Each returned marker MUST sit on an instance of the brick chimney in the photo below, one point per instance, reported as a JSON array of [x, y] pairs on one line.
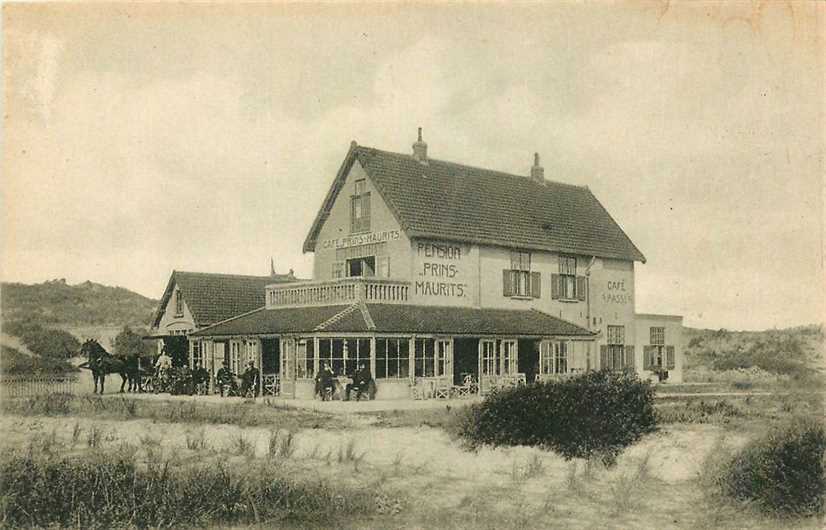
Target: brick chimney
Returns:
[[420, 149], [537, 171]]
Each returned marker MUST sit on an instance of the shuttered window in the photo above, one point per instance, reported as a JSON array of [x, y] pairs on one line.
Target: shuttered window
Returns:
[[519, 280], [566, 285]]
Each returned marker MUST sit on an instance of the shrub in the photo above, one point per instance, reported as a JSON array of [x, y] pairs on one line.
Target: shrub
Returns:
[[592, 415], [781, 473]]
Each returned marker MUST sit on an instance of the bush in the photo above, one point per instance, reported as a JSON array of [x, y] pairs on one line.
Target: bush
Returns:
[[13, 362], [46, 342], [781, 473], [593, 415]]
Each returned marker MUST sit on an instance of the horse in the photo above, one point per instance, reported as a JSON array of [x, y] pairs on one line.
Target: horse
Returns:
[[101, 363]]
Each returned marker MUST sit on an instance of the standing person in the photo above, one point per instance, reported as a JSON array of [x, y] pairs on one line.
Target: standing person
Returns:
[[162, 366], [324, 381], [250, 380]]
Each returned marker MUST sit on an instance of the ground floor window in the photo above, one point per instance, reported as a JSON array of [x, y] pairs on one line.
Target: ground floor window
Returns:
[[392, 358], [305, 358], [499, 357], [425, 360], [658, 357], [356, 351], [553, 357], [197, 353], [235, 356]]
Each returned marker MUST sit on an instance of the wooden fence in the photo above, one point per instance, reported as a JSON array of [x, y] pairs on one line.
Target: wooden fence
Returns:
[[25, 386]]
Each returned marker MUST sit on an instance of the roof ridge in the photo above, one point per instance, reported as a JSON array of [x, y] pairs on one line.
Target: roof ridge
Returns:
[[475, 168], [335, 318], [365, 314], [226, 274]]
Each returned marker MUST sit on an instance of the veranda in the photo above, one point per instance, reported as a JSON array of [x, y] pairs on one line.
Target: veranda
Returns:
[[404, 366]]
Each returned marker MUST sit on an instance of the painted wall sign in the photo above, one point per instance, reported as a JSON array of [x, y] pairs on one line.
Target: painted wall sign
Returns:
[[361, 239], [616, 293], [440, 270]]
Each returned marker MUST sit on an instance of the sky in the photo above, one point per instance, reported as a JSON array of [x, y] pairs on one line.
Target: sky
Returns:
[[138, 139]]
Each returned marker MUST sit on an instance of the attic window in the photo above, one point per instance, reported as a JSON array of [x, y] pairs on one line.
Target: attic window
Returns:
[[179, 303], [360, 208]]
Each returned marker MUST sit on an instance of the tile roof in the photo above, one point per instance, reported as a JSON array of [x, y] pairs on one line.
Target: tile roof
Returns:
[[450, 201], [215, 297], [273, 321], [391, 318]]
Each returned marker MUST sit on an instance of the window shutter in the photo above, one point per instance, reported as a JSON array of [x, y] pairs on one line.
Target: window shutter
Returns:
[[647, 354], [554, 286], [338, 269], [365, 212], [581, 288], [669, 355], [536, 285], [507, 289], [629, 357], [603, 357]]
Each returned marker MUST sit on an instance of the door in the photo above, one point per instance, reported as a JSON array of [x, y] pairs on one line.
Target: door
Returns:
[[488, 364], [271, 356]]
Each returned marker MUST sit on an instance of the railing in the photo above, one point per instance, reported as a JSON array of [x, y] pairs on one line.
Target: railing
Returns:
[[271, 385], [25, 386], [498, 382], [344, 291]]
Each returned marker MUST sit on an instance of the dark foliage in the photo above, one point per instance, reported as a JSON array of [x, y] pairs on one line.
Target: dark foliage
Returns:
[[597, 414], [12, 362], [128, 343], [781, 473], [108, 491], [46, 342]]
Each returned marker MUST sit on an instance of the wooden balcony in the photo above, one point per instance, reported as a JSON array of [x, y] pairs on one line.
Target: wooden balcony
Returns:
[[344, 291]]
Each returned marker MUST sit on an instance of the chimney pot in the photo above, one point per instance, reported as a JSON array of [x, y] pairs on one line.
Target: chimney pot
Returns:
[[420, 149], [537, 171]]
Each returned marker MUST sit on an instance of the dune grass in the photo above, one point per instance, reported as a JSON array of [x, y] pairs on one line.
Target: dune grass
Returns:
[[242, 414], [110, 490]]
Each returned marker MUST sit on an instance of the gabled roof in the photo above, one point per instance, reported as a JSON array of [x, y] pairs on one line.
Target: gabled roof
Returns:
[[391, 318], [449, 201], [215, 297]]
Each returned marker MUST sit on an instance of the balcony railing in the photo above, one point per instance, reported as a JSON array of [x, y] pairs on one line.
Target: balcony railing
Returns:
[[344, 291]]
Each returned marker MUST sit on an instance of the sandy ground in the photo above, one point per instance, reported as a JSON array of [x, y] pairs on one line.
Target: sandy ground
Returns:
[[488, 488]]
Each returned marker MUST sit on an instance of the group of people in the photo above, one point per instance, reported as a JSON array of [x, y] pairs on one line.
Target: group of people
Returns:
[[362, 383], [182, 380], [250, 381]]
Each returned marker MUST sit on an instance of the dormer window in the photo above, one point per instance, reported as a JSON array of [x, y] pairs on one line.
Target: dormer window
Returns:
[[360, 208]]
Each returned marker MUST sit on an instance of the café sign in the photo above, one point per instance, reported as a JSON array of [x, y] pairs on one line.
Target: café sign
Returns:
[[361, 239]]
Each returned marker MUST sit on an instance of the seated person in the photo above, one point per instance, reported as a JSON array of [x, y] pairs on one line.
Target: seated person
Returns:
[[362, 381], [324, 382], [200, 378], [226, 381], [249, 380]]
